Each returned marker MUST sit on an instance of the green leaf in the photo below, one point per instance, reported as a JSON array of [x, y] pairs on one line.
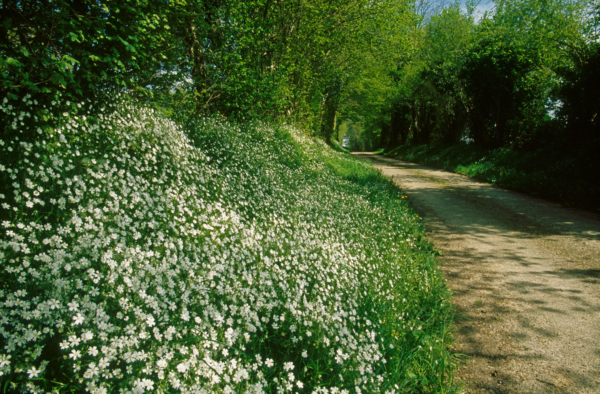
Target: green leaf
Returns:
[[74, 37], [70, 59], [13, 62]]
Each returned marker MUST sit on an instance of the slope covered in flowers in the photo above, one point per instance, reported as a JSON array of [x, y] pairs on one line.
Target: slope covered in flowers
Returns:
[[136, 256]]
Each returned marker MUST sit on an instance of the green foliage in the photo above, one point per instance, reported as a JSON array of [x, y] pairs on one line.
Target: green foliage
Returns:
[[518, 77], [76, 47], [511, 73], [335, 145], [426, 99], [225, 257], [497, 71], [193, 57], [580, 95]]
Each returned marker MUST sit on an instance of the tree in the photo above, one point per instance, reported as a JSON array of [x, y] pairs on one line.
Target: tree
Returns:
[[511, 72], [78, 46], [579, 94]]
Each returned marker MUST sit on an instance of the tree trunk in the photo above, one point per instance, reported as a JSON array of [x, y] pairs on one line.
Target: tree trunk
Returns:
[[196, 59], [332, 100], [329, 118]]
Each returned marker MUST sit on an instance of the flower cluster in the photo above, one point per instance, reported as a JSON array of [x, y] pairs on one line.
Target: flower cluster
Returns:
[[136, 257]]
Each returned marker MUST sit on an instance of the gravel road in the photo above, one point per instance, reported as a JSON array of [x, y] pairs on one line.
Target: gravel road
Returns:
[[525, 274]]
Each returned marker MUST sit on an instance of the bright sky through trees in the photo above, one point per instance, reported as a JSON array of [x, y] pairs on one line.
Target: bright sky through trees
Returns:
[[483, 6]]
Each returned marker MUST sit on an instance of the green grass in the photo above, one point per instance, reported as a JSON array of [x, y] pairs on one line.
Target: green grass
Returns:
[[137, 255], [570, 179]]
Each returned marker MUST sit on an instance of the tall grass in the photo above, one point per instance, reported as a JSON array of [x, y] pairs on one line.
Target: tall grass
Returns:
[[225, 258]]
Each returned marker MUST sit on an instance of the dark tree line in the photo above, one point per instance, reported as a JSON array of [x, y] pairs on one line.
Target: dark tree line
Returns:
[[524, 76]]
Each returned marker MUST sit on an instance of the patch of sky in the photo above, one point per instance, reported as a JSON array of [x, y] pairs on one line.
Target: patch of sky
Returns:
[[481, 7]]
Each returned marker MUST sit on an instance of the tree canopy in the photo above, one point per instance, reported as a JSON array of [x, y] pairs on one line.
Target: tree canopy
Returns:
[[262, 58], [406, 71], [512, 77]]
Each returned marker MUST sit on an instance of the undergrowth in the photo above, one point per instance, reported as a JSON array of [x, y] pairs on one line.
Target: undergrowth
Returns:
[[137, 256]]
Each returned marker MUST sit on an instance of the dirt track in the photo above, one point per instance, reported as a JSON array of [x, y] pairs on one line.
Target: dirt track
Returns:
[[526, 280]]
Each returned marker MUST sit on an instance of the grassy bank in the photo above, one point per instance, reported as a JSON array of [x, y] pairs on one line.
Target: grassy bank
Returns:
[[137, 256], [569, 179]]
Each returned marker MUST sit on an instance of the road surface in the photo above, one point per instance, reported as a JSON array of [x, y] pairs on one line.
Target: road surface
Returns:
[[525, 274]]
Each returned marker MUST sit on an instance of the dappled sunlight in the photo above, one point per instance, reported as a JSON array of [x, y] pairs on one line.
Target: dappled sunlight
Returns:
[[524, 274]]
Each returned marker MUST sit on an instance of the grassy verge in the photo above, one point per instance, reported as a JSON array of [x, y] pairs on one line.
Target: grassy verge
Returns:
[[569, 179], [225, 258]]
